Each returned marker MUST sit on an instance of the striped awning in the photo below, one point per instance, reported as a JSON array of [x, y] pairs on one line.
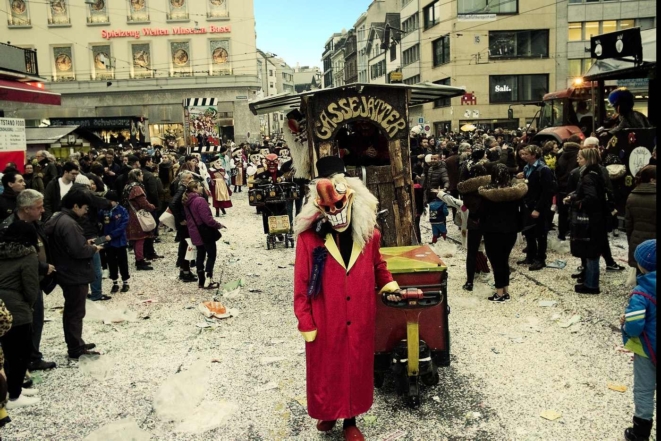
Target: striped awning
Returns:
[[420, 93], [200, 102], [205, 149]]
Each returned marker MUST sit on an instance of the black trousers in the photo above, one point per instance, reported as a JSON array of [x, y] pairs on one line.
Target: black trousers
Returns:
[[37, 326], [498, 247], [563, 215], [208, 252], [16, 344], [472, 246], [118, 262], [104, 261], [536, 240], [182, 263], [72, 318]]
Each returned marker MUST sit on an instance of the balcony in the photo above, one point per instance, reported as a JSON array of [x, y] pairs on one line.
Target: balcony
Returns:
[[59, 22], [17, 59]]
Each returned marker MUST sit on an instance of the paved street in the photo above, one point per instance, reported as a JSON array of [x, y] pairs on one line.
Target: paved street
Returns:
[[510, 362]]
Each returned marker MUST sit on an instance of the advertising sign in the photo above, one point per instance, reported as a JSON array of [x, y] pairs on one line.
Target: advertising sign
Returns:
[[12, 142]]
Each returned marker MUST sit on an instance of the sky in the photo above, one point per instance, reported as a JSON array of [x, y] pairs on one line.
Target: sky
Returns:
[[297, 30]]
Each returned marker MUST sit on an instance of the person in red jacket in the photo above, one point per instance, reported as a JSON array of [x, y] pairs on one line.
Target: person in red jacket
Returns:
[[338, 264]]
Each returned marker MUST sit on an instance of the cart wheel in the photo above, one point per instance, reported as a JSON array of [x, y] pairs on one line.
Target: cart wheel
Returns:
[[379, 378], [268, 243], [432, 378]]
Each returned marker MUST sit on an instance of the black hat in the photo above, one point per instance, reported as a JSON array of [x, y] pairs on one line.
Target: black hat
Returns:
[[21, 232], [112, 195], [329, 166]]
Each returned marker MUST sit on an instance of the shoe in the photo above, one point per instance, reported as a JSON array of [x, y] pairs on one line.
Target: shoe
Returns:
[[499, 299], [537, 266], [582, 289], [125, 287], [614, 267], [579, 275], [105, 274], [30, 392], [27, 384], [201, 279], [467, 286], [154, 257], [353, 433], [41, 365], [114, 289], [103, 298], [325, 426], [524, 262], [143, 266], [187, 277], [22, 401], [89, 346], [83, 352], [640, 431], [209, 283]]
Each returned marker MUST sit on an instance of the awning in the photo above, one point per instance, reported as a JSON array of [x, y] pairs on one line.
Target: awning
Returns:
[[624, 68], [47, 135], [420, 93], [27, 93]]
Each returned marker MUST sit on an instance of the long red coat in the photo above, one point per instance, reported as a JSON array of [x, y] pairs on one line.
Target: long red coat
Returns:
[[138, 200], [340, 361]]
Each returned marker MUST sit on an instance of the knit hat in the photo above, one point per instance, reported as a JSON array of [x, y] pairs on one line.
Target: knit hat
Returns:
[[591, 141], [82, 179], [645, 255], [112, 195]]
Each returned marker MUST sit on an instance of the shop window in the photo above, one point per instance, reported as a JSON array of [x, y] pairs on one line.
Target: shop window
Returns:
[[431, 14], [19, 13], [138, 11], [575, 32], [517, 88], [519, 44], [443, 102], [488, 6], [441, 50], [645, 23]]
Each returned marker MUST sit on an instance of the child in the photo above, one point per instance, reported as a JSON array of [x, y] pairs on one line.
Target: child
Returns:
[[438, 212], [639, 335], [115, 221]]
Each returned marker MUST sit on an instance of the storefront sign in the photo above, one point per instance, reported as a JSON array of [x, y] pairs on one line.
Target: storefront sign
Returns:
[[242, 97], [502, 89], [161, 32], [12, 135], [634, 83], [358, 107], [476, 17]]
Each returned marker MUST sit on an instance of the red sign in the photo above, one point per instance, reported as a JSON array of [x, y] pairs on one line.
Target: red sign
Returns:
[[160, 32]]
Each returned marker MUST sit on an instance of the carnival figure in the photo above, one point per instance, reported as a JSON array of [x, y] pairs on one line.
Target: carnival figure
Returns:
[[220, 192]]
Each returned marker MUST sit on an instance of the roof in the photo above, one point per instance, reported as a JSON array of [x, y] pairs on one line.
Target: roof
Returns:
[[420, 93], [624, 68], [47, 135]]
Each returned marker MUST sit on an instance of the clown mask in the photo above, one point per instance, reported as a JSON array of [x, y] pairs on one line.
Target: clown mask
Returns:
[[335, 200], [256, 158], [272, 162]]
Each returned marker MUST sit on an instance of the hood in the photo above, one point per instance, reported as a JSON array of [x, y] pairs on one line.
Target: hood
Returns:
[[572, 147], [647, 282], [504, 194], [191, 198], [473, 184], [646, 188], [12, 250]]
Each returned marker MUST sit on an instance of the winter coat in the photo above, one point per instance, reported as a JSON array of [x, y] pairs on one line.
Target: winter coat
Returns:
[[590, 199], [539, 196], [42, 251], [19, 280], [138, 200], [500, 208], [436, 176], [49, 171], [153, 187], [112, 167], [197, 213], [341, 322], [177, 208], [452, 166], [34, 182], [468, 188], [115, 220], [7, 203], [5, 325], [640, 318], [438, 212], [640, 217], [631, 120], [68, 249], [564, 165], [52, 199], [90, 221]]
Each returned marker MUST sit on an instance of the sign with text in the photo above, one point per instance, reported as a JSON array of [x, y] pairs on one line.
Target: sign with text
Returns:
[[163, 32], [12, 135]]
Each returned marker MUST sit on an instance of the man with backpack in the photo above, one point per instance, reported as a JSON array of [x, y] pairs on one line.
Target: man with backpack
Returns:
[[542, 185]]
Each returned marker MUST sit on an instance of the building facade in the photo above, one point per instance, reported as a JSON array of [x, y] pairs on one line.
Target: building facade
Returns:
[[327, 59], [142, 59]]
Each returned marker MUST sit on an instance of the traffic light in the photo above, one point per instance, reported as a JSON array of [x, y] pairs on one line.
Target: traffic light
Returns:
[[385, 43]]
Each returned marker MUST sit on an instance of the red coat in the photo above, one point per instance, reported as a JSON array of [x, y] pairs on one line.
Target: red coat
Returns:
[[138, 200], [340, 360]]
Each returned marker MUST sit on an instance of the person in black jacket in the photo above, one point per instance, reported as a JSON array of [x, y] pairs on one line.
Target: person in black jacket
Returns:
[[538, 200], [153, 191], [501, 224], [59, 187], [177, 209], [435, 177], [48, 166], [13, 184], [565, 164]]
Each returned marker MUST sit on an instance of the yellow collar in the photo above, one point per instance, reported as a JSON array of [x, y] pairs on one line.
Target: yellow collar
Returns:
[[334, 251]]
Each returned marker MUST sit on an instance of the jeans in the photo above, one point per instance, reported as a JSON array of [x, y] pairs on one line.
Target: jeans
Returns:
[[118, 263], [498, 247], [208, 251], [37, 326], [75, 297], [16, 346], [96, 286], [472, 247], [644, 386], [591, 279], [182, 263]]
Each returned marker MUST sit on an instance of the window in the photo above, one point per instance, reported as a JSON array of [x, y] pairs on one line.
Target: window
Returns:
[[58, 13], [519, 44], [608, 26], [102, 68], [488, 6], [441, 50], [378, 69], [178, 10], [270, 72], [591, 28], [517, 88], [443, 102], [415, 79], [63, 69], [138, 11], [19, 13], [411, 24], [97, 12], [411, 55], [626, 24], [142, 62], [431, 14], [393, 52], [220, 58], [217, 10], [645, 23], [180, 58], [271, 85], [575, 32]]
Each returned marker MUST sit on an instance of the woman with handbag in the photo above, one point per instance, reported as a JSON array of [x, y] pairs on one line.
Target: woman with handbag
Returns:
[[588, 219], [135, 200], [204, 232]]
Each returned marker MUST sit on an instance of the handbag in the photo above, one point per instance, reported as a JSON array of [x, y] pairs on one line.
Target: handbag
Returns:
[[167, 219], [147, 221], [207, 233], [580, 226]]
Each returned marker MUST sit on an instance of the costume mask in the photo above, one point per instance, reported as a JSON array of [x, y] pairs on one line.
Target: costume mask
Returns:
[[335, 201], [265, 152], [256, 158], [272, 165]]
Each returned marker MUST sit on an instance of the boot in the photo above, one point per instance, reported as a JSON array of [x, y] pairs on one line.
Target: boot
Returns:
[[640, 431], [141, 265], [200, 279], [209, 283], [434, 239], [187, 276]]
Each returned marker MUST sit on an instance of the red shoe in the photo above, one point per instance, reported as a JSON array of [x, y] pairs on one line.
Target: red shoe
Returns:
[[325, 426], [353, 433]]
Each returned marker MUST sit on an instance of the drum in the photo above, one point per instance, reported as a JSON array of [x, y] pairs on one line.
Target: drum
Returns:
[[256, 197]]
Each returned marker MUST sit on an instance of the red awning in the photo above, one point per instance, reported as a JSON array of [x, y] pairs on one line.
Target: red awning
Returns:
[[28, 93]]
